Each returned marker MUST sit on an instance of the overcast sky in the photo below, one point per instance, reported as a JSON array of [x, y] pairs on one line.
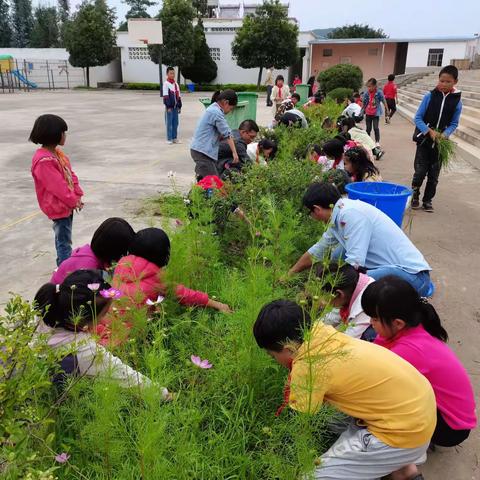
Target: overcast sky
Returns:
[[398, 18]]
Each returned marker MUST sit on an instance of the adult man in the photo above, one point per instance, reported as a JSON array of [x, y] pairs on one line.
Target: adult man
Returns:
[[269, 84], [246, 134], [365, 236]]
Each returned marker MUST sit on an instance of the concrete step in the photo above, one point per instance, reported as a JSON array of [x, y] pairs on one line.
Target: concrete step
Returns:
[[469, 102], [465, 93], [468, 152], [470, 116]]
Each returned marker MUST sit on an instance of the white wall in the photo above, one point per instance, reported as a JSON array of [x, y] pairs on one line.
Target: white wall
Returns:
[[417, 55], [36, 65]]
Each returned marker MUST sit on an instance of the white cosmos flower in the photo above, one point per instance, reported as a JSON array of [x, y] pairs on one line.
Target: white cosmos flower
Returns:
[[159, 299]]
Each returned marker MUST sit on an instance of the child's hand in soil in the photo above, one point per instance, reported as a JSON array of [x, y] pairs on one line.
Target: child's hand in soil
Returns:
[[221, 307]]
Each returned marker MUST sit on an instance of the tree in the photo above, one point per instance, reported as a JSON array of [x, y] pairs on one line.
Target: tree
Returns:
[[63, 16], [178, 35], [138, 9], [45, 33], [22, 20], [357, 31], [267, 38], [90, 36], [5, 26], [203, 69], [341, 76], [201, 7]]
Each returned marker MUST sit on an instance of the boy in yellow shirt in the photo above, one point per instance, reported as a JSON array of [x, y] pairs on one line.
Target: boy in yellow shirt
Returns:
[[392, 405]]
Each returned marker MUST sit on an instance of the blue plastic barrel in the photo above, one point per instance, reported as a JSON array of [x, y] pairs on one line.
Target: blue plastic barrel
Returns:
[[390, 198], [191, 87]]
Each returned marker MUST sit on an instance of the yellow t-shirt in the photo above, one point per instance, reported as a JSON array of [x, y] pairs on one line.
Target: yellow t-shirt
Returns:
[[368, 382]]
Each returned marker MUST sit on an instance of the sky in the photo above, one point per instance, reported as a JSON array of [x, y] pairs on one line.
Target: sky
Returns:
[[398, 18]]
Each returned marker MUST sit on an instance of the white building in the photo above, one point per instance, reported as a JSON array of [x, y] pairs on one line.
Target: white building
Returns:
[[220, 29]]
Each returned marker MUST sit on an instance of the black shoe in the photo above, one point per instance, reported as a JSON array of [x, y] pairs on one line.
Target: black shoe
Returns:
[[415, 203], [380, 154], [428, 207]]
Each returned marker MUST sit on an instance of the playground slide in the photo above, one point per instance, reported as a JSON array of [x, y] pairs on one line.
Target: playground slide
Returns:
[[17, 74]]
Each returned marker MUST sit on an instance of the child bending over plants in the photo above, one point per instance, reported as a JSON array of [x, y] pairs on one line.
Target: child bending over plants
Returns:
[[139, 276], [393, 401], [346, 285], [70, 312], [410, 327], [360, 167]]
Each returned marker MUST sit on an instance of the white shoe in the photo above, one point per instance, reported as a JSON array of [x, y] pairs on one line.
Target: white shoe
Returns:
[[169, 142], [176, 140]]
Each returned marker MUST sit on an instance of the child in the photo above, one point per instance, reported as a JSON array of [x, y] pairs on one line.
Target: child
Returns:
[[66, 328], [333, 150], [211, 129], [280, 92], [173, 105], [391, 97], [372, 106], [361, 137], [438, 114], [296, 81], [262, 152], [56, 185], [353, 110], [269, 84], [359, 166], [410, 327], [391, 404], [109, 243], [348, 285]]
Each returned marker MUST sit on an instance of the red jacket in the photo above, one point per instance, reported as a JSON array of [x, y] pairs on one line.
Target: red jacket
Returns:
[[140, 280], [55, 198], [390, 90]]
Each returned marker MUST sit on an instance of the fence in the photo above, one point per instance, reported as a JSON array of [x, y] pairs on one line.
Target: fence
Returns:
[[48, 74]]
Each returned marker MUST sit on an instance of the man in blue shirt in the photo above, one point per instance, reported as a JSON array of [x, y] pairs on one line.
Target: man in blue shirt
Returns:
[[211, 129], [365, 236], [438, 114]]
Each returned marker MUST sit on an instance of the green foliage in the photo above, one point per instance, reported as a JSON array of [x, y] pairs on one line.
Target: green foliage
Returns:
[[267, 38], [22, 21], [5, 24], [446, 150], [238, 87], [203, 68], [63, 16], [201, 8], [90, 36], [340, 93], [178, 34], [357, 30], [45, 33], [341, 75]]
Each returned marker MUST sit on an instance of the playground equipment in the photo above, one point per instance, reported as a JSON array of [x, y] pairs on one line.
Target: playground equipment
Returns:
[[24, 80]]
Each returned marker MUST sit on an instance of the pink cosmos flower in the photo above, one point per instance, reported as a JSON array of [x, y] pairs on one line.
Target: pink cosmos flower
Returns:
[[112, 293], [93, 286], [178, 223], [258, 234], [62, 457], [159, 299], [197, 361]]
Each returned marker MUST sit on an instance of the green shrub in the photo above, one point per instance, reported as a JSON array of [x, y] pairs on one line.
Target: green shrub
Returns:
[[341, 75], [340, 93], [238, 87]]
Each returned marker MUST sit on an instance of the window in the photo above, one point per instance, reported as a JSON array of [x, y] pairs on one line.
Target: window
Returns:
[[138, 53], [373, 52], [435, 57], [327, 52], [346, 60], [223, 29], [215, 54]]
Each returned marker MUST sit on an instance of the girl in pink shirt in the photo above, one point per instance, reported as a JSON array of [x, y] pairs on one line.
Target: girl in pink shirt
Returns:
[[56, 185], [409, 326]]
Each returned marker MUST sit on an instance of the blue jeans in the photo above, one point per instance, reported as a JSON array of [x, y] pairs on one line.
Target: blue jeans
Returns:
[[171, 121], [63, 238], [419, 281]]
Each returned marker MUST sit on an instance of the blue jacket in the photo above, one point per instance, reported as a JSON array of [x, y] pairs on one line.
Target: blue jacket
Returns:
[[379, 97], [422, 109], [169, 98]]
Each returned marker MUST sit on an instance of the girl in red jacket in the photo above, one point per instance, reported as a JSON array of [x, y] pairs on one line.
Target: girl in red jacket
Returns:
[[56, 185], [139, 277]]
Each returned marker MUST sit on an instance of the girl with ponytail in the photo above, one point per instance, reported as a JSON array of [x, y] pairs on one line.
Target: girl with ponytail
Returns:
[[409, 326], [69, 313]]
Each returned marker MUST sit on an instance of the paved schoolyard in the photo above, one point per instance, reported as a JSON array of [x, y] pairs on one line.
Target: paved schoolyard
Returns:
[[117, 147]]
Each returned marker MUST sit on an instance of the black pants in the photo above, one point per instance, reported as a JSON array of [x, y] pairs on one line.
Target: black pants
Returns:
[[204, 165], [269, 96], [392, 106], [426, 164], [446, 436], [373, 120]]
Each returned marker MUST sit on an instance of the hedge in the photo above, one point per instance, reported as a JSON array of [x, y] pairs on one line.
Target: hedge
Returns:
[[341, 75], [340, 93]]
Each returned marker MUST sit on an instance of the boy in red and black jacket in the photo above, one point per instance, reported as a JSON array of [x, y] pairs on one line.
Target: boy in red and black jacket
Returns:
[[438, 114], [173, 105]]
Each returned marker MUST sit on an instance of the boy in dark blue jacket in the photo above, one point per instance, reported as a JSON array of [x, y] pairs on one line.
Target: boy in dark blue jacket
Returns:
[[438, 114], [173, 105]]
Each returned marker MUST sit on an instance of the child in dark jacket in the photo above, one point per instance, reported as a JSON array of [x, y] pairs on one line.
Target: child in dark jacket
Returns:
[[173, 105], [437, 115]]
